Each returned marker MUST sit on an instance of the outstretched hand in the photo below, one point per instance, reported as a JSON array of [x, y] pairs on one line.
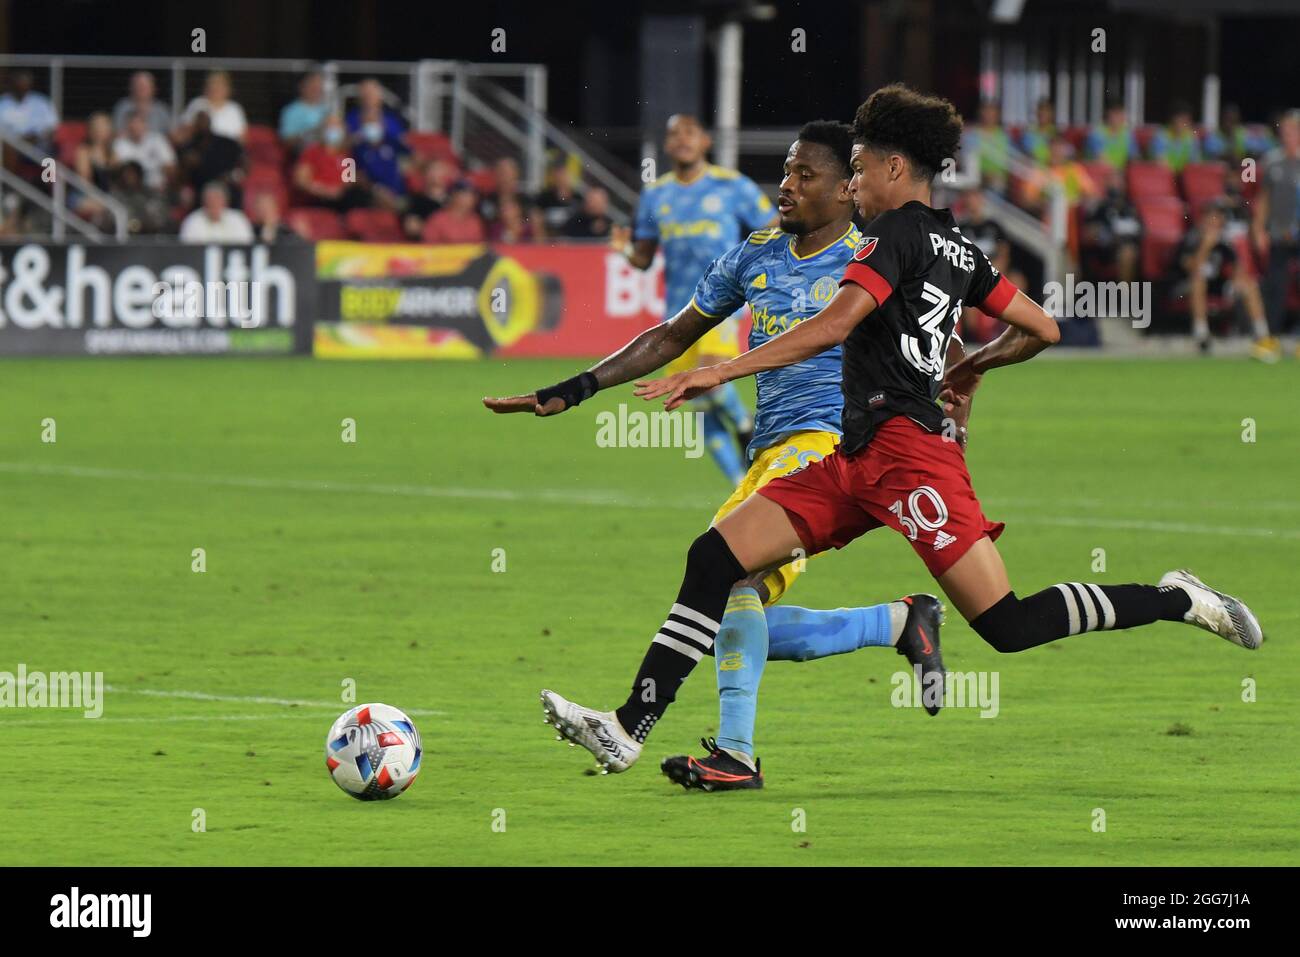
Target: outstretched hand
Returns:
[[525, 403], [681, 387]]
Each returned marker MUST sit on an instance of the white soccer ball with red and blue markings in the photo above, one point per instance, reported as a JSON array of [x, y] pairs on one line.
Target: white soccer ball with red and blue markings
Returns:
[[373, 752]]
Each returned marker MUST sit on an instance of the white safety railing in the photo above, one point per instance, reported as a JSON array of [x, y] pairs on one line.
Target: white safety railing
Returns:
[[56, 203]]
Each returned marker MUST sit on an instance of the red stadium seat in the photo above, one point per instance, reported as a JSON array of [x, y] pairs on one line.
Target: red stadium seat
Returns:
[[315, 224], [1164, 221], [1150, 181], [68, 135], [484, 181], [1144, 135], [265, 179], [263, 146], [1075, 136], [1203, 182], [427, 146], [374, 225], [1098, 171]]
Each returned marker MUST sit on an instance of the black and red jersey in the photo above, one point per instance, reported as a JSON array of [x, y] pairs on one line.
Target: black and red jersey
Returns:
[[921, 271]]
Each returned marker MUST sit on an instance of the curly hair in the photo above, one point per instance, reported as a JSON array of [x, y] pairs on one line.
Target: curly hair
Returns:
[[898, 119], [835, 136]]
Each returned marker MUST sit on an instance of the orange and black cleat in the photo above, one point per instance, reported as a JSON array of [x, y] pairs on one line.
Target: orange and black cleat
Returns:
[[919, 642], [718, 772]]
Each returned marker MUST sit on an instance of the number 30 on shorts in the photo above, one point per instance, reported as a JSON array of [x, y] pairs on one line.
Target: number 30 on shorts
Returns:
[[916, 519]]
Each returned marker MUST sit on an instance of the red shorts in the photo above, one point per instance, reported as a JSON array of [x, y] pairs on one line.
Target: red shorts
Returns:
[[912, 480]]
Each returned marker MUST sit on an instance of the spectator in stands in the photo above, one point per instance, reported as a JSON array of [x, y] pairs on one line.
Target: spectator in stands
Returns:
[[138, 143], [214, 221], [1177, 144], [439, 175], [140, 98], [303, 120], [1275, 228], [26, 113], [591, 221], [1112, 233], [209, 157], [1113, 142], [225, 115], [511, 224], [557, 202], [378, 143], [988, 141], [1211, 267], [267, 224], [146, 209], [94, 157], [458, 221], [983, 231], [1065, 173], [324, 177], [1233, 141], [1036, 139], [505, 172]]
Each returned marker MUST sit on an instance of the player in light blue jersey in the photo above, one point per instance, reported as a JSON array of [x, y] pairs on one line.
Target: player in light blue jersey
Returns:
[[786, 275], [694, 214]]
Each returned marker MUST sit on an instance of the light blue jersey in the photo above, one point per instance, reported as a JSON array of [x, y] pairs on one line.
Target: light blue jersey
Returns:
[[697, 222], [782, 290]]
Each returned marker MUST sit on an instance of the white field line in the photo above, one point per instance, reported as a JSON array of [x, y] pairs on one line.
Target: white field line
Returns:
[[250, 699], [159, 719], [614, 498]]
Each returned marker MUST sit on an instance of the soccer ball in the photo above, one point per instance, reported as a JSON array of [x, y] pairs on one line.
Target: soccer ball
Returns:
[[373, 752]]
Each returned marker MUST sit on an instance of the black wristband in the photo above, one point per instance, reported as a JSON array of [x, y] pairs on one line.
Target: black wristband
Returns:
[[572, 391]]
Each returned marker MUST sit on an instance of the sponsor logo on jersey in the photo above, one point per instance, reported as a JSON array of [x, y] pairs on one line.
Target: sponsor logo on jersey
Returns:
[[866, 248]]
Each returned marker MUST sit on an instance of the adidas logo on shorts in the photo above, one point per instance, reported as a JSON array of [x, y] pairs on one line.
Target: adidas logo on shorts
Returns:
[[943, 540]]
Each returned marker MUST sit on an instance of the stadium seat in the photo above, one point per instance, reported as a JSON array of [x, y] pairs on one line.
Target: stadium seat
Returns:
[[1202, 182], [1164, 221], [484, 181], [1150, 181], [1076, 136], [264, 179], [1144, 135], [427, 146], [1097, 170], [374, 225], [68, 135], [263, 146], [315, 224]]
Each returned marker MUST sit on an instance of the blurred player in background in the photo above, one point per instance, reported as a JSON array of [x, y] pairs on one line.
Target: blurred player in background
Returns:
[[1276, 226], [695, 214], [786, 275]]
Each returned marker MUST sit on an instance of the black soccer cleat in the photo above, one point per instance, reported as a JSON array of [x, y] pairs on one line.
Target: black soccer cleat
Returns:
[[718, 772], [919, 642]]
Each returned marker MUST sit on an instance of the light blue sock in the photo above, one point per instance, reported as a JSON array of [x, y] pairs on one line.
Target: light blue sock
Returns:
[[733, 407], [740, 651], [802, 634], [721, 445]]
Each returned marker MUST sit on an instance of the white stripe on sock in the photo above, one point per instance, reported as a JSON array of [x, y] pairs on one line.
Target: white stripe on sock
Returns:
[[1090, 615], [681, 611], [681, 647], [706, 641], [1071, 607], [1107, 609]]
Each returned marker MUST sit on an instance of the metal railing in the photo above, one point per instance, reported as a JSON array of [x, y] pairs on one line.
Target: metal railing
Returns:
[[56, 205]]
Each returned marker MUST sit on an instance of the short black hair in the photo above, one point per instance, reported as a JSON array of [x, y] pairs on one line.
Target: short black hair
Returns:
[[898, 119], [835, 136]]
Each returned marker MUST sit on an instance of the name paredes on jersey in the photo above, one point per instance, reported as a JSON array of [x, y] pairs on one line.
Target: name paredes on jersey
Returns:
[[963, 257]]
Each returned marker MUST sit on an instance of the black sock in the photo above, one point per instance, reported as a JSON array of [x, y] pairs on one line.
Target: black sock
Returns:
[[1071, 609], [687, 634]]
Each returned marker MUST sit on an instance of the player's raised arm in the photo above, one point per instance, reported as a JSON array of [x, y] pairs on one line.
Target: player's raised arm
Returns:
[[650, 350], [813, 336]]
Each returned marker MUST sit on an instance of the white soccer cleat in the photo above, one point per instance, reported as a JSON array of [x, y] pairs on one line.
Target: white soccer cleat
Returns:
[[1214, 611], [597, 731]]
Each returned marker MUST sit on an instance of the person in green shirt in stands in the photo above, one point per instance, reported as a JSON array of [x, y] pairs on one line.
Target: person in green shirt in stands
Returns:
[[1113, 142], [1036, 140], [1177, 144], [989, 142]]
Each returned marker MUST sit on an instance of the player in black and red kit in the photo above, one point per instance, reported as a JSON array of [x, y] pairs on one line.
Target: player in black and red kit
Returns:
[[900, 297]]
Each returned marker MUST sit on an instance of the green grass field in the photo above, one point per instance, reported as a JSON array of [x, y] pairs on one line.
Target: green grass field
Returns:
[[373, 561]]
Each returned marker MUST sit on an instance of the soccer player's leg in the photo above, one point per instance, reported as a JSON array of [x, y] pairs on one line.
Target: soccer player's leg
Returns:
[[755, 536], [946, 526], [718, 440]]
